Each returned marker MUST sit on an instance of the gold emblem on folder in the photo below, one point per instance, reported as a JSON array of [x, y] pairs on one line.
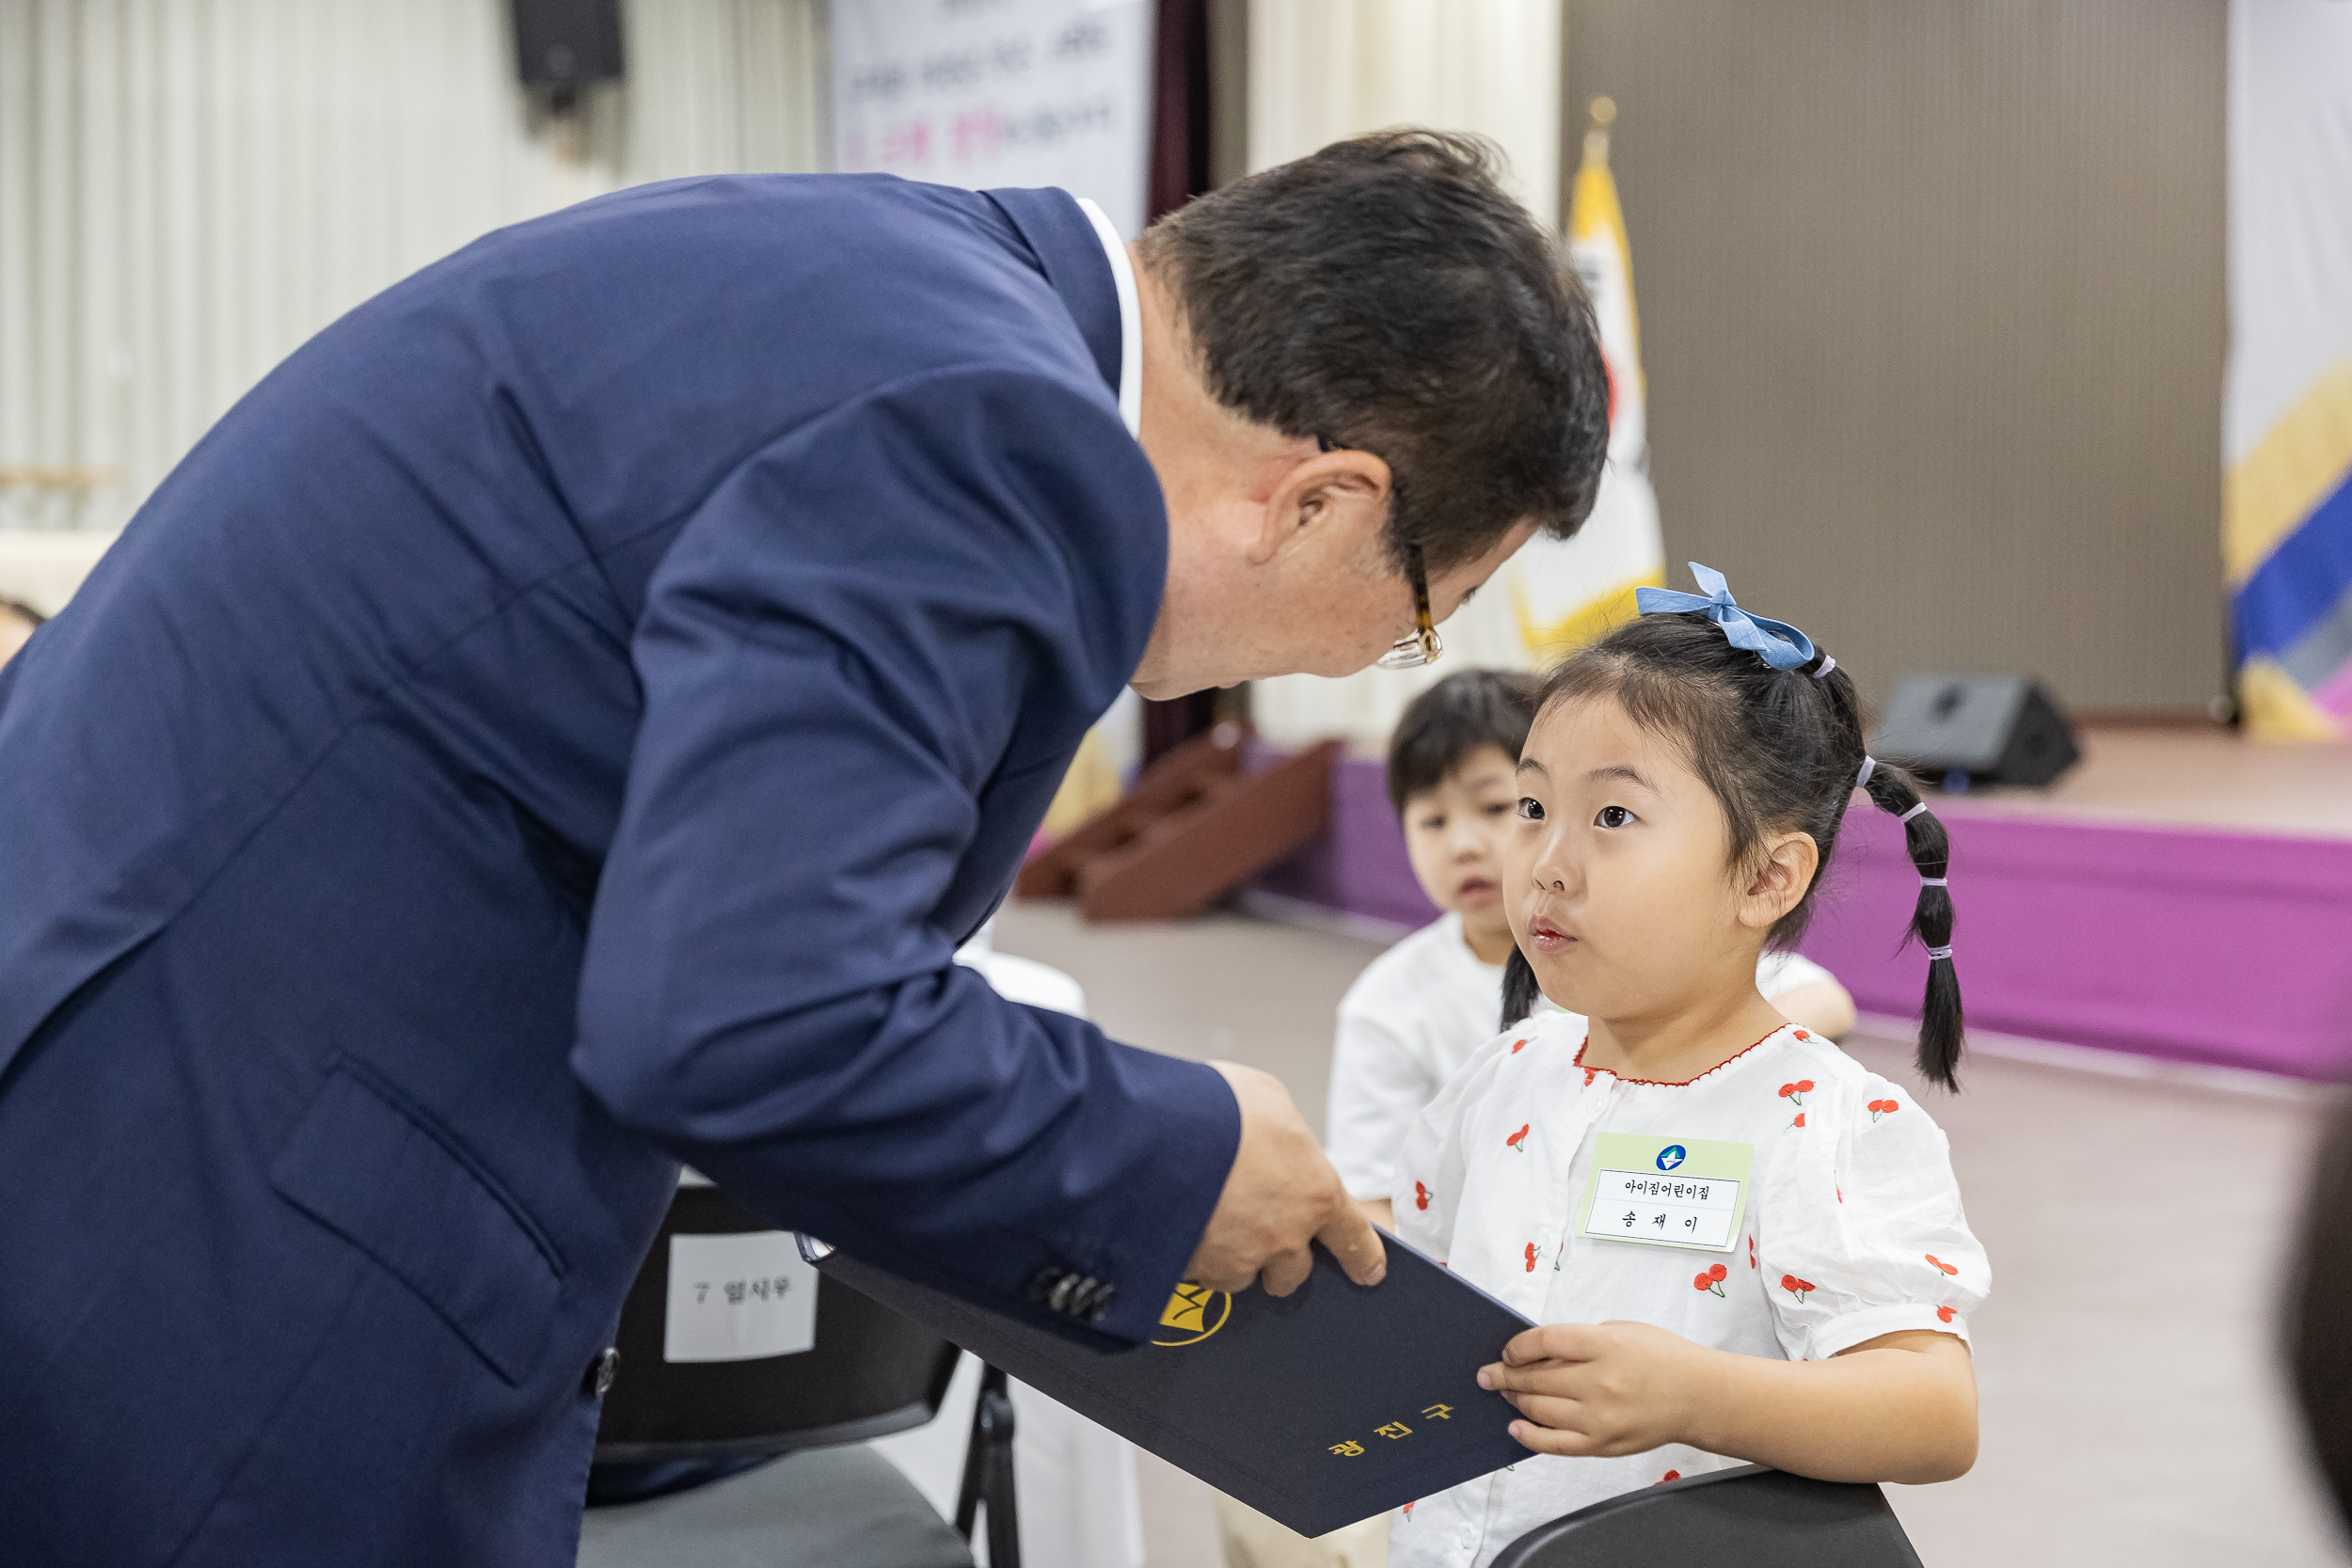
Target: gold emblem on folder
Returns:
[[1194, 1313]]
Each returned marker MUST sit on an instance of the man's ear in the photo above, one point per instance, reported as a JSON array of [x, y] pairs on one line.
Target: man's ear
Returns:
[[1784, 870], [1332, 499]]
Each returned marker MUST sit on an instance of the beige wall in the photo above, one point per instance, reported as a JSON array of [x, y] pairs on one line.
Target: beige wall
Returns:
[[1932, 316]]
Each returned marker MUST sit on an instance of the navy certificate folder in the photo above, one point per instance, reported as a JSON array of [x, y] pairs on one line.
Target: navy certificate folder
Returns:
[[1328, 1407]]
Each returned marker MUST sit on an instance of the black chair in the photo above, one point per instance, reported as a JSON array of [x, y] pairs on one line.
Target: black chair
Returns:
[[1756, 1517], [708, 1464]]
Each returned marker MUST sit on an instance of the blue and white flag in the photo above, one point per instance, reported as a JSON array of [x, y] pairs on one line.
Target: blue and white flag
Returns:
[[2287, 413]]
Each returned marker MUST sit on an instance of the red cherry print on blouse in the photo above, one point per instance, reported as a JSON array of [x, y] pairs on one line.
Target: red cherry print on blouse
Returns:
[[1800, 1121], [1421, 1196], [1788, 1282], [1717, 1270], [1947, 1268], [1702, 1281], [1408, 1510], [1515, 1140], [1803, 1036], [1515, 1046], [1530, 1257], [1671, 1475], [1944, 1314], [1805, 1085], [1787, 1089]]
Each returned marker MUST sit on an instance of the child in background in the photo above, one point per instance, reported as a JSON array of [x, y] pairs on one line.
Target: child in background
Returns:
[[1423, 1007], [1797, 1294]]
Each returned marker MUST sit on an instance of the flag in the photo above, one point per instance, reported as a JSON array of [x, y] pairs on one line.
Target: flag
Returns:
[[2286, 534], [1568, 593]]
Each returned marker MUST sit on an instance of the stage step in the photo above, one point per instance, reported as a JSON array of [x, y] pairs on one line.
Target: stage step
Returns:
[[1194, 828]]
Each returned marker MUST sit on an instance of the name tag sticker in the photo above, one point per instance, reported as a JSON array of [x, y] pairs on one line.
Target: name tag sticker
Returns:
[[1667, 1191], [741, 1297]]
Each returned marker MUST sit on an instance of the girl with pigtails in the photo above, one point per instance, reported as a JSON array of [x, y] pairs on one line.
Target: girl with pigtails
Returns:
[[1741, 1245]]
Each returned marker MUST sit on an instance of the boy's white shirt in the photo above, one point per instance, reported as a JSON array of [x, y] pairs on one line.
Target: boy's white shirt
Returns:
[[1412, 1018], [1857, 1203]]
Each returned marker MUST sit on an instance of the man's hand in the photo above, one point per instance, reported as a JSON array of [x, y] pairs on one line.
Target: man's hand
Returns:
[[1598, 1389], [1280, 1195]]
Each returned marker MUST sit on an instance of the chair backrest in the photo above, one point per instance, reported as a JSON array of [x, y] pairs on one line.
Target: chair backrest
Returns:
[[871, 1372], [1756, 1518]]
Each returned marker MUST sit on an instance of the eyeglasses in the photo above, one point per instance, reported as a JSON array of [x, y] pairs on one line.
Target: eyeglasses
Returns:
[[1425, 645]]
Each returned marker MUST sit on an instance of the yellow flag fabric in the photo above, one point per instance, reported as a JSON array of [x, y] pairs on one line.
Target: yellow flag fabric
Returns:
[[1568, 593]]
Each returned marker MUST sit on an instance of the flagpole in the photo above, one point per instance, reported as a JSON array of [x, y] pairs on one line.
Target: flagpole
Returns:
[[1604, 113]]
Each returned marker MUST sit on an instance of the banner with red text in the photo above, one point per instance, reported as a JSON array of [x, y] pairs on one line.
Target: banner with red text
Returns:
[[998, 92]]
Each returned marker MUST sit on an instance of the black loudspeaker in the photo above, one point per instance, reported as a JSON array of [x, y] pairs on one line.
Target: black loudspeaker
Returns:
[[1976, 729], [560, 46]]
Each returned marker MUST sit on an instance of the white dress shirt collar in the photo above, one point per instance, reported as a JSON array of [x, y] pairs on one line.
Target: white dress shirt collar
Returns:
[[1130, 318]]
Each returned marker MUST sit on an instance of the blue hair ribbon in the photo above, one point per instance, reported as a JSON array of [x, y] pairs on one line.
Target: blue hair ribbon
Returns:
[[1777, 642]]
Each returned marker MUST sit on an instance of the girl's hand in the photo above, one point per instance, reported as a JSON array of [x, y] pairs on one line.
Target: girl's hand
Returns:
[[1599, 1389], [1900, 1407]]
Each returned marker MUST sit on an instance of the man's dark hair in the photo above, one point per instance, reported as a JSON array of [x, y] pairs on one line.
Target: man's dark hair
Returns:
[[1452, 719], [1386, 295]]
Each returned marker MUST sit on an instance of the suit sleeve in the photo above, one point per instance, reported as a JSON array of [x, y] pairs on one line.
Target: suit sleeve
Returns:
[[837, 656]]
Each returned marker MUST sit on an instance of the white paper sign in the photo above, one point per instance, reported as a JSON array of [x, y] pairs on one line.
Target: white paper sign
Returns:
[[998, 92], [1644, 1205], [739, 1298]]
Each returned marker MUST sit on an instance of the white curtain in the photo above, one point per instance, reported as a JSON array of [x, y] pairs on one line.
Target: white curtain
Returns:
[[1320, 70], [190, 188]]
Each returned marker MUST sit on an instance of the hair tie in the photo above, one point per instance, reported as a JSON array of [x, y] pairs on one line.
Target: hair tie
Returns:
[[1936, 881], [1777, 642], [1913, 812], [1870, 766], [1827, 665], [1939, 953]]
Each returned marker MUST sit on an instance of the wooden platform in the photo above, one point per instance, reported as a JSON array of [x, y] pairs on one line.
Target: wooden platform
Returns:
[[2194, 778], [2182, 894]]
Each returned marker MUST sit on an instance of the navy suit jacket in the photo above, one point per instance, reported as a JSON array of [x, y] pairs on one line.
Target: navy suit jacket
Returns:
[[561, 722]]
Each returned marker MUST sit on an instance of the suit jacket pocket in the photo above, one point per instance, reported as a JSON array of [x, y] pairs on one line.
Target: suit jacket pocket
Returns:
[[380, 1172]]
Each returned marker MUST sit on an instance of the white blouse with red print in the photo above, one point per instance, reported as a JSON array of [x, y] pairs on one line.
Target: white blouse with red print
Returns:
[[1852, 1229]]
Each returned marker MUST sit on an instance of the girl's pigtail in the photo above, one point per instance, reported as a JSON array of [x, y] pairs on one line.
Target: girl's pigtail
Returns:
[[1941, 1026], [1521, 993]]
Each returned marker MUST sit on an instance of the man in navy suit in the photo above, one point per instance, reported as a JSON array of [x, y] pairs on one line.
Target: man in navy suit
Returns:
[[562, 722]]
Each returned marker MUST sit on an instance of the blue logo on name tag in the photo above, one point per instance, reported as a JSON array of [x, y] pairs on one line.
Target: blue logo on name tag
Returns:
[[1671, 1156]]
